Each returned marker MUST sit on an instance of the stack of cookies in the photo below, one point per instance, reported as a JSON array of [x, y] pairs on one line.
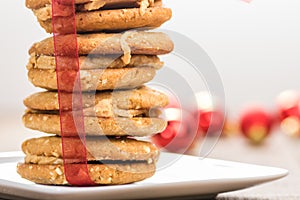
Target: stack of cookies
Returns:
[[117, 107]]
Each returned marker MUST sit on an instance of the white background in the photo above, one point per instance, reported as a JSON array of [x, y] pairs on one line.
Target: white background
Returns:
[[255, 47]]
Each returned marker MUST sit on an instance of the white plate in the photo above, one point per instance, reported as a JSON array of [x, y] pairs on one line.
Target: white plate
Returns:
[[177, 176]]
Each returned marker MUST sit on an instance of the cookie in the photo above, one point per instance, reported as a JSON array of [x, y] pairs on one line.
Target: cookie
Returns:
[[104, 174], [91, 80], [104, 104], [97, 126], [35, 4], [98, 149], [106, 5], [114, 20], [45, 12], [51, 160], [141, 43], [96, 62]]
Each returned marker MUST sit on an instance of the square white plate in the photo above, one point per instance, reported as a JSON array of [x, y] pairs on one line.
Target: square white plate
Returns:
[[176, 176]]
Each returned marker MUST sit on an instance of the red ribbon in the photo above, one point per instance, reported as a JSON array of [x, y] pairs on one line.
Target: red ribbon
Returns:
[[70, 105]]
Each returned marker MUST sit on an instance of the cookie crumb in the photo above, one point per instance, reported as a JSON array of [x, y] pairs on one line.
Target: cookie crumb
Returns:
[[104, 81], [109, 180], [150, 161], [58, 171], [147, 149], [55, 154], [45, 118]]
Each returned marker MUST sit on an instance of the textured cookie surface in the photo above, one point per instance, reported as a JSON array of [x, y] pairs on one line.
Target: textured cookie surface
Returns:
[[103, 174], [96, 62], [98, 149], [45, 12], [142, 43], [105, 103], [108, 79], [97, 126], [35, 4], [51, 160], [109, 20]]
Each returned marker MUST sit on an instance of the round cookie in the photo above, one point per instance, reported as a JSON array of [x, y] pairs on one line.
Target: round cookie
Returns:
[[45, 12], [104, 174], [96, 62], [35, 4], [97, 126], [91, 80], [51, 160], [115, 20], [117, 4], [98, 149], [142, 43], [104, 104]]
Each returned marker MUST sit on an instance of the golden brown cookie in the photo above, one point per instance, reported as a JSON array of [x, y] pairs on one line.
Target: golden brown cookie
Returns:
[[45, 12], [51, 160], [35, 4], [98, 149], [142, 43], [104, 174], [114, 20], [97, 126], [104, 104], [117, 4], [96, 62], [107, 79]]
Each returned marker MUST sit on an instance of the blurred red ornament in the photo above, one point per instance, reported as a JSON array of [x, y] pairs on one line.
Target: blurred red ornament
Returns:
[[179, 134], [210, 122], [256, 124], [289, 112], [291, 126], [211, 119], [288, 104]]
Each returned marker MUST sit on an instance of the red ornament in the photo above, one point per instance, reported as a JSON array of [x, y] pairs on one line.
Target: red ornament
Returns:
[[289, 112], [178, 136], [211, 119], [210, 122], [288, 104], [291, 126], [256, 124]]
